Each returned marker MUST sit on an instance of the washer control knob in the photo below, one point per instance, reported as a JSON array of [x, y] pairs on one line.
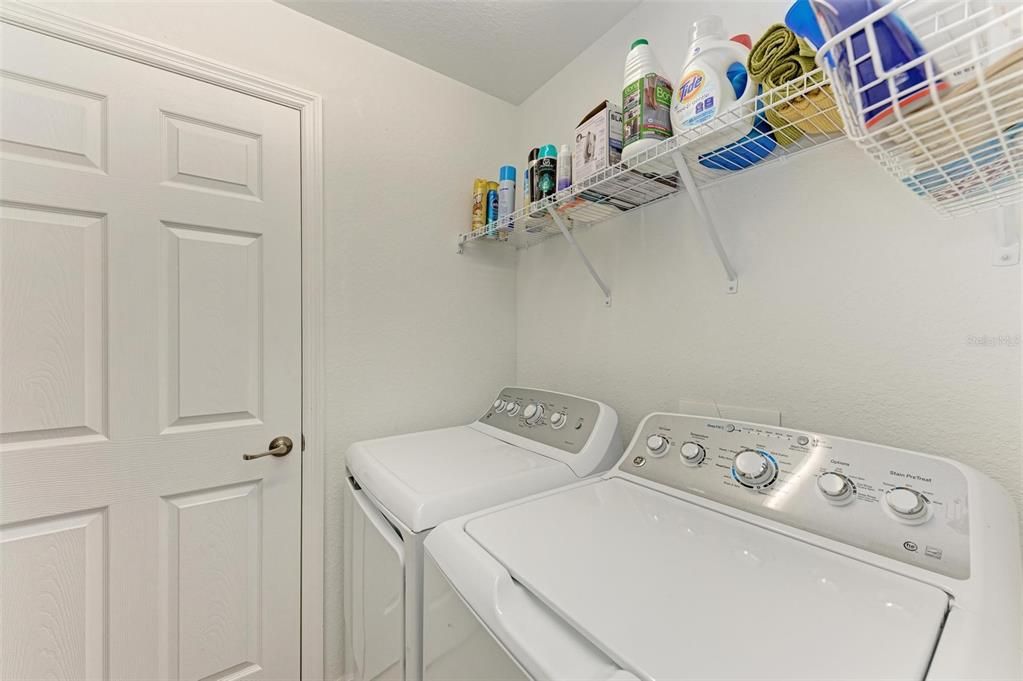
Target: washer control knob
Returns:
[[835, 487], [754, 468], [533, 413], [499, 405], [657, 445], [512, 408], [692, 453], [558, 419], [906, 503]]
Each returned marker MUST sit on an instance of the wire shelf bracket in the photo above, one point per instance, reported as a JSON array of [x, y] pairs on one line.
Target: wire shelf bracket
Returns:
[[1007, 226], [560, 222], [708, 221]]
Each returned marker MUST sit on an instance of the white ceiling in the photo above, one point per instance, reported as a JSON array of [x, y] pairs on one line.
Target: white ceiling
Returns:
[[507, 48]]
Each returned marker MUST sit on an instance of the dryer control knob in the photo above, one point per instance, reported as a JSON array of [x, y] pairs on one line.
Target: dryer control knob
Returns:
[[906, 503], [657, 445], [754, 468], [533, 413], [558, 419], [692, 453], [499, 405], [512, 409], [835, 487]]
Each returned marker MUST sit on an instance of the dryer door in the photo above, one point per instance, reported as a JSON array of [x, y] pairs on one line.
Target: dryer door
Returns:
[[375, 579]]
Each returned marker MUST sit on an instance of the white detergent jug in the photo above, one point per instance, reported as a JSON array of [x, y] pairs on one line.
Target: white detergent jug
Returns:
[[714, 85]]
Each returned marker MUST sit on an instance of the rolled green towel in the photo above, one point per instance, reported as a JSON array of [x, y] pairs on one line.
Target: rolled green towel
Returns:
[[780, 57], [789, 68], [777, 43]]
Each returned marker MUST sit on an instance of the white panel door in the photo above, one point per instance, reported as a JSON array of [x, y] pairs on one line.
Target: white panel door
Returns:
[[150, 330]]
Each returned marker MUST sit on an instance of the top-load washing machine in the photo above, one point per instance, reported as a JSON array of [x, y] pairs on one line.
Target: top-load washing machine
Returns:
[[725, 550], [400, 487]]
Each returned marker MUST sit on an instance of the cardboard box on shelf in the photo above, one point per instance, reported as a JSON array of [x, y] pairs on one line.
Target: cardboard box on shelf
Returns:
[[598, 141]]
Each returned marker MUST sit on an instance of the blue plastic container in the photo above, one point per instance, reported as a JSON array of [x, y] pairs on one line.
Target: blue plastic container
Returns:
[[803, 22], [896, 44]]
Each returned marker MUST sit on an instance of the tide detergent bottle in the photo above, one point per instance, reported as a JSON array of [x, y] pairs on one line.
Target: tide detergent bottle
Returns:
[[716, 100]]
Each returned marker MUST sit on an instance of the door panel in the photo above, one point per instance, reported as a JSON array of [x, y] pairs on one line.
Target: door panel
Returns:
[[213, 585], [150, 334], [74, 133], [212, 157], [54, 589], [52, 386], [214, 278]]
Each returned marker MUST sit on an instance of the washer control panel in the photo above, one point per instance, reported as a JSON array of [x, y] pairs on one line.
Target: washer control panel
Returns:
[[900, 504], [561, 421]]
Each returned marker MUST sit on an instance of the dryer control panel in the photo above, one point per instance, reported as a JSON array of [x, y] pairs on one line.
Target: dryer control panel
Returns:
[[561, 421], [900, 504]]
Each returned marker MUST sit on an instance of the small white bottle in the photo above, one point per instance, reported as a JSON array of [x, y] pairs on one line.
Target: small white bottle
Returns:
[[564, 168]]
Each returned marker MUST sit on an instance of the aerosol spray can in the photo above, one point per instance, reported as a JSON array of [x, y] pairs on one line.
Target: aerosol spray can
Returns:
[[492, 209], [505, 201], [546, 172], [479, 204]]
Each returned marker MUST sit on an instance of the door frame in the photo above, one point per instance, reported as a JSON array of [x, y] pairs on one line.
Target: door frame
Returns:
[[310, 108]]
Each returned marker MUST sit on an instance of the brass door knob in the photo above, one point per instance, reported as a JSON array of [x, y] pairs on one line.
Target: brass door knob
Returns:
[[279, 446]]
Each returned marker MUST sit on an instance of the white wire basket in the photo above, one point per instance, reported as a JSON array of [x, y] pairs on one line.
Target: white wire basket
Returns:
[[933, 91]]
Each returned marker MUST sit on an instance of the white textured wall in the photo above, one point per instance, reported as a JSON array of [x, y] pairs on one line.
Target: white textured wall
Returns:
[[417, 336], [855, 307]]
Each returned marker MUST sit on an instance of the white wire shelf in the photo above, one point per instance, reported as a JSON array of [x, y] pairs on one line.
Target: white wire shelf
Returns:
[[783, 122], [948, 124]]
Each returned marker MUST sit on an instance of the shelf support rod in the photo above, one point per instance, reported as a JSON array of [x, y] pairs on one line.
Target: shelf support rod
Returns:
[[708, 222], [560, 222]]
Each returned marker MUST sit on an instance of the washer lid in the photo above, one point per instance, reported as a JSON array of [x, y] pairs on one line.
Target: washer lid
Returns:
[[671, 590], [425, 478]]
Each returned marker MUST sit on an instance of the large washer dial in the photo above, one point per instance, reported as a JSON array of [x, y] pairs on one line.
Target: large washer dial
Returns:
[[753, 468], [907, 505], [533, 413], [657, 445], [692, 453], [835, 487]]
